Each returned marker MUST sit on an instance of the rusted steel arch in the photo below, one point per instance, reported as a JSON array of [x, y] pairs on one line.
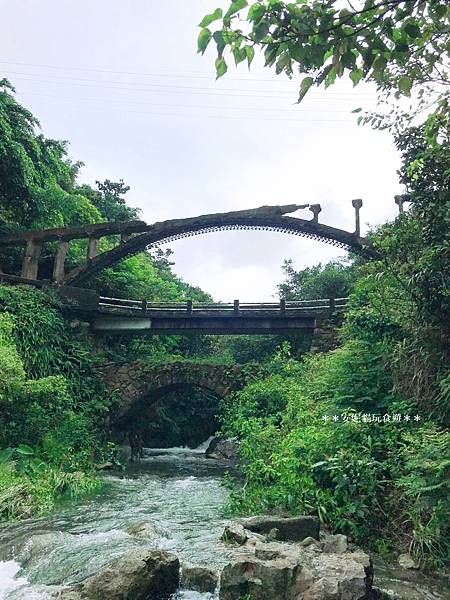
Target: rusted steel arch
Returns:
[[268, 218]]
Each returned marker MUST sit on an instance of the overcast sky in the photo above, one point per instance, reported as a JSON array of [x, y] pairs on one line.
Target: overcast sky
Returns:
[[121, 81]]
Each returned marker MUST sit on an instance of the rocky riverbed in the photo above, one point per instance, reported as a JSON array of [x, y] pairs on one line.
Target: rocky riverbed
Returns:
[[158, 531]]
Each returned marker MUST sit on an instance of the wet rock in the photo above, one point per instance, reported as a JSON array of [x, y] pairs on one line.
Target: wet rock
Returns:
[[278, 571], [199, 579], [223, 449], [124, 453], [108, 466], [140, 575], [293, 529], [310, 541], [63, 594], [274, 534], [39, 544], [336, 544], [407, 562], [258, 579], [145, 529], [234, 534], [324, 589]]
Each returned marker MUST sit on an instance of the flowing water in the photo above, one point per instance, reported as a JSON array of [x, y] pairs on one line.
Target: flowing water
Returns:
[[178, 490]]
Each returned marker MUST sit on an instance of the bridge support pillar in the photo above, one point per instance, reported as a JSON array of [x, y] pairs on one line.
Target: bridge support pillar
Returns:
[[30, 263], [92, 248], [58, 265], [357, 206], [324, 337]]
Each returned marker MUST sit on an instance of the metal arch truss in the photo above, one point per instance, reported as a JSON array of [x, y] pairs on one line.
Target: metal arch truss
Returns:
[[276, 229]]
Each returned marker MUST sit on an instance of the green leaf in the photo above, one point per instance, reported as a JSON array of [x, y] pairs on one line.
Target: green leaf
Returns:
[[256, 12], [25, 450], [271, 54], [356, 76], [250, 52], [236, 6], [260, 31], [304, 87], [378, 66], [330, 78], [284, 64], [405, 85], [6, 455], [217, 14], [204, 37], [356, 110], [401, 47], [220, 42], [440, 11], [412, 29], [239, 55], [221, 67]]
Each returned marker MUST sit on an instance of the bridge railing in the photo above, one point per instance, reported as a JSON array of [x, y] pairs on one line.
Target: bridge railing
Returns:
[[189, 307]]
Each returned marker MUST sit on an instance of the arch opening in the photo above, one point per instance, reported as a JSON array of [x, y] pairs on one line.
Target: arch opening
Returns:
[[173, 415]]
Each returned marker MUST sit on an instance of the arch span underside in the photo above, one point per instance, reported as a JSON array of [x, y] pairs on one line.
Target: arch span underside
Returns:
[[177, 229]]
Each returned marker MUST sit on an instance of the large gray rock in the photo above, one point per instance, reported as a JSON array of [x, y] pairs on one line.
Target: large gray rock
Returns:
[[407, 562], [223, 449], [145, 529], [291, 572], [336, 544], [140, 575], [293, 529], [236, 534], [199, 579]]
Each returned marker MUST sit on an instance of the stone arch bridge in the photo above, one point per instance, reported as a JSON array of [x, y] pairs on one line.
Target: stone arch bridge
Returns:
[[136, 381]]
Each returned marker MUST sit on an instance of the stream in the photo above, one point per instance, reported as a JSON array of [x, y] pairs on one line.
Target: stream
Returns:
[[180, 491]]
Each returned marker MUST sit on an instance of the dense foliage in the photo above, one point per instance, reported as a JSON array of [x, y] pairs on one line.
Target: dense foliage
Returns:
[[359, 435], [47, 429]]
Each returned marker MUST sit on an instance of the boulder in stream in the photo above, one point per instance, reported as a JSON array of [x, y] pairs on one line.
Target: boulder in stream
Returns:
[[290, 572], [237, 535], [199, 579], [299, 568], [223, 449], [139, 575], [41, 544], [145, 529], [293, 529]]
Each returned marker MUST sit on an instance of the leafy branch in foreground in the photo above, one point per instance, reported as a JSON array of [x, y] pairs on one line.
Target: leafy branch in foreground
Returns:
[[399, 45]]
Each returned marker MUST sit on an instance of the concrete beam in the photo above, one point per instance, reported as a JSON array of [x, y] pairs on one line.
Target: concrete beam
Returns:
[[30, 265], [205, 325]]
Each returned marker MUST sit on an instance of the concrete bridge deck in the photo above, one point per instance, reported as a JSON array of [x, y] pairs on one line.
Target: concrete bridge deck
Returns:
[[119, 315]]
